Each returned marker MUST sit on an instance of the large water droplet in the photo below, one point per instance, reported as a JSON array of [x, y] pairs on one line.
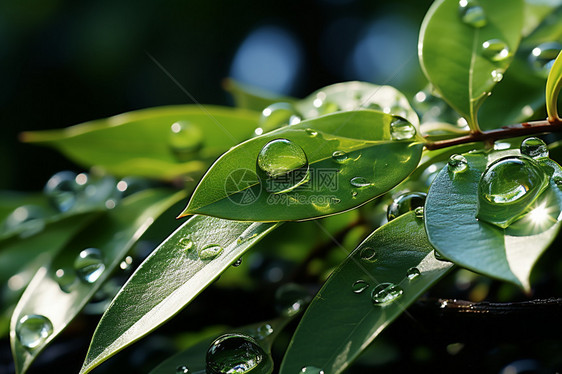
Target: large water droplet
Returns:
[[185, 140], [89, 265], [290, 299], [405, 203], [210, 252], [495, 50], [472, 13], [182, 369], [33, 330], [507, 188], [534, 147], [360, 182], [457, 163], [282, 165], [368, 254], [401, 129], [234, 353], [340, 157], [359, 286], [28, 220], [543, 56], [276, 115], [413, 273], [61, 190], [312, 370], [385, 293]]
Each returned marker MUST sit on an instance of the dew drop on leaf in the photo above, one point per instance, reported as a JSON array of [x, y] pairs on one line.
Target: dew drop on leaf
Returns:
[[412, 273], [234, 353], [359, 286], [419, 212], [237, 262], [65, 279], [401, 129], [182, 369], [495, 50], [534, 147], [497, 76], [368, 254], [472, 13], [542, 57], [290, 299], [360, 182], [457, 163], [186, 243], [311, 370], [405, 203], [61, 190], [33, 330], [264, 331], [185, 139], [385, 293], [210, 252], [89, 265], [340, 157], [282, 165], [311, 132], [507, 188]]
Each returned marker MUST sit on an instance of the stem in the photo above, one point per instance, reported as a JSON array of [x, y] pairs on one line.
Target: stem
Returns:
[[513, 131]]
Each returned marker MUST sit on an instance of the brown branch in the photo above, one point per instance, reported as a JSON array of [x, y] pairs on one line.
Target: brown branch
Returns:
[[513, 131]]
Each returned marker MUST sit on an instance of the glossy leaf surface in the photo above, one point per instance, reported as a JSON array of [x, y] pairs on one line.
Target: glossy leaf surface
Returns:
[[553, 86]]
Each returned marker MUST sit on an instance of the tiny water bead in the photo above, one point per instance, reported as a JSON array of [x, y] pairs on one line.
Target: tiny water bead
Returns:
[[543, 56], [65, 279], [507, 188], [534, 147], [264, 331], [312, 370], [210, 252], [182, 369], [497, 76], [311, 132], [340, 157], [385, 293], [283, 165], [472, 13], [419, 212], [234, 353], [404, 203], [290, 299], [457, 163], [495, 50], [368, 254], [413, 273], [276, 115], [33, 330], [61, 190], [360, 182], [89, 265], [401, 129], [359, 286], [186, 243], [237, 262], [185, 139]]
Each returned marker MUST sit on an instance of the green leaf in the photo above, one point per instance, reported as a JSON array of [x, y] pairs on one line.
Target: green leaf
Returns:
[[141, 142], [536, 11], [252, 98], [553, 86], [60, 298], [172, 276], [235, 187], [264, 333], [457, 65], [507, 254], [349, 96], [340, 323]]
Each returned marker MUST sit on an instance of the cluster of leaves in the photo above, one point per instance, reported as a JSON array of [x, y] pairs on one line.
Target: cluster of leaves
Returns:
[[352, 148]]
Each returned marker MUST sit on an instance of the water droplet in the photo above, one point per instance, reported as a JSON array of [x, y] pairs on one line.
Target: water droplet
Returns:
[[33, 330], [495, 50], [61, 190], [290, 299], [457, 163], [89, 265], [28, 220], [234, 353], [472, 13], [186, 243], [264, 331], [543, 56], [405, 203], [312, 370], [401, 129], [385, 293], [507, 188], [413, 273], [557, 180], [360, 182], [359, 286], [282, 165], [340, 157], [65, 279], [354, 194], [311, 132], [237, 262], [368, 254], [276, 115], [294, 120], [126, 263], [534, 147], [210, 251], [182, 369], [497, 76], [185, 140], [438, 256], [419, 212]]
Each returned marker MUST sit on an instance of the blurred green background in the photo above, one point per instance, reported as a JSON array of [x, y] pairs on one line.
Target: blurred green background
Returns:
[[66, 62]]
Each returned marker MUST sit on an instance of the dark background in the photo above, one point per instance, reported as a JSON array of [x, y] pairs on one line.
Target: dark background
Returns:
[[64, 63]]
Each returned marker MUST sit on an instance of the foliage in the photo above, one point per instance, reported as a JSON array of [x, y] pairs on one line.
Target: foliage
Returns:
[[417, 190]]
